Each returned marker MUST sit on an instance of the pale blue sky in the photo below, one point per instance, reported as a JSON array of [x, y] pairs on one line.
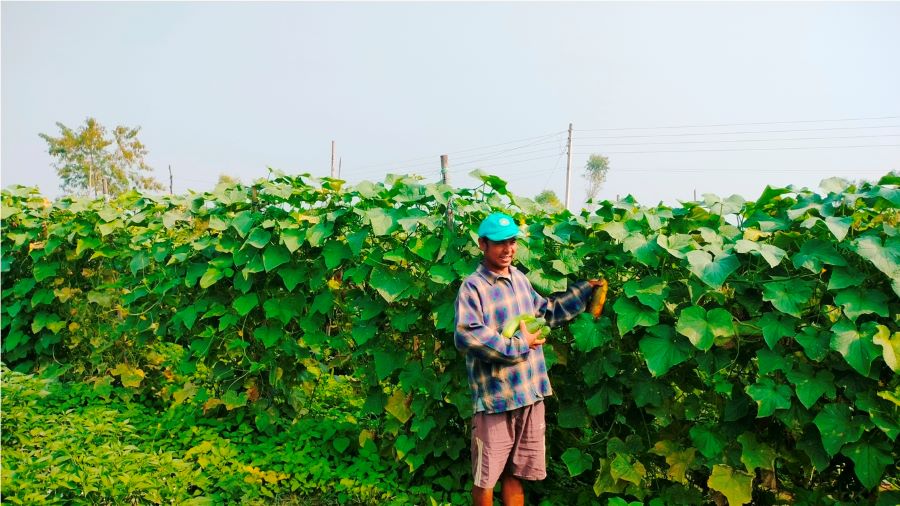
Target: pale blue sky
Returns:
[[235, 87]]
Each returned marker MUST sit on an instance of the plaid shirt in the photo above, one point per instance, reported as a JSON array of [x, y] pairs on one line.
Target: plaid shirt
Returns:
[[504, 373]]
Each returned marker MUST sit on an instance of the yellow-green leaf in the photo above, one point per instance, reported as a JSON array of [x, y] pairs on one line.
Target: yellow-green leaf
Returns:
[[736, 486]]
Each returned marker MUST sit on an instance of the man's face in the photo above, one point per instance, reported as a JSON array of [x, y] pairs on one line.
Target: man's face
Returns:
[[498, 255]]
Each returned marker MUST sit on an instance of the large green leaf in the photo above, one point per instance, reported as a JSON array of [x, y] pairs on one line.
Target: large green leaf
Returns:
[[838, 226], [663, 350], [679, 461], [702, 328], [280, 309], [590, 334], [546, 284], [243, 222], [210, 277], [884, 256], [651, 291], [622, 468], [811, 385], [773, 255], [885, 416], [383, 221], [609, 394], [843, 277], [335, 252], [317, 234], [386, 362], [390, 284], [709, 440], [769, 361], [814, 253], [576, 461], [713, 273], [233, 400], [755, 454], [363, 333], [859, 301], [140, 261], [789, 297], [245, 303], [774, 327], [293, 238], [836, 427], [630, 315], [890, 346], [268, 335], [292, 276], [259, 238], [735, 485], [396, 406], [322, 303], [43, 271], [858, 350], [644, 249], [274, 256], [769, 396], [869, 461], [816, 344]]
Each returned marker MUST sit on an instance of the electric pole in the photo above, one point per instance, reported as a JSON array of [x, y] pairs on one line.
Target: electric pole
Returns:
[[445, 178], [170, 181], [569, 167], [333, 168]]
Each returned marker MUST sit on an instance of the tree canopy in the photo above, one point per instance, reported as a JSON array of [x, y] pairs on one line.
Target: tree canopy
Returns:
[[549, 198], [595, 172], [90, 161]]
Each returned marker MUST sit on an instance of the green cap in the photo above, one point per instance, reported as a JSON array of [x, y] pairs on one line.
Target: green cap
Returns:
[[499, 227]]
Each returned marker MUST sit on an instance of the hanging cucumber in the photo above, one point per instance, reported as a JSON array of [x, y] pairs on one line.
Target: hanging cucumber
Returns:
[[598, 299]]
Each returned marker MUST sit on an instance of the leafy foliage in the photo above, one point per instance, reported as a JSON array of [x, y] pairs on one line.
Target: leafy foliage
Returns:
[[750, 352]]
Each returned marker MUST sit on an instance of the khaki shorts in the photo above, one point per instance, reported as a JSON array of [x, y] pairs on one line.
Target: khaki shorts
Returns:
[[511, 442]]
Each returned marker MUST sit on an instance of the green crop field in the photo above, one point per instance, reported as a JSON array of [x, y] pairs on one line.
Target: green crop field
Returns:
[[291, 342]]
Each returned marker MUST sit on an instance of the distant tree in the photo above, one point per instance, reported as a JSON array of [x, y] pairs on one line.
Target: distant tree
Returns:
[[89, 161], [229, 180], [595, 172], [548, 198]]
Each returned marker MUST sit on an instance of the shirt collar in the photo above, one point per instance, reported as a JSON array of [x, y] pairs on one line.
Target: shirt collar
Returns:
[[492, 276]]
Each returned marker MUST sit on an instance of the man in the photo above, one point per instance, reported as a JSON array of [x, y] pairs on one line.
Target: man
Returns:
[[508, 376]]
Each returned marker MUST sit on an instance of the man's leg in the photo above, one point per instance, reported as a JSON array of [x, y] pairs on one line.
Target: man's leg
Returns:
[[512, 492], [482, 496]]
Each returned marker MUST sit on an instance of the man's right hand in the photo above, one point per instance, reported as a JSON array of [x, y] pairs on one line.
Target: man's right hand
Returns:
[[533, 339]]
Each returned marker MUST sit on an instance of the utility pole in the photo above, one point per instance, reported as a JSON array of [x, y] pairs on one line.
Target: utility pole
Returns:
[[332, 160], [569, 167], [340, 163], [445, 178], [170, 180]]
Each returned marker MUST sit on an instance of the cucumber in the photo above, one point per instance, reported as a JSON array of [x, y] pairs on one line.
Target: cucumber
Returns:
[[531, 323]]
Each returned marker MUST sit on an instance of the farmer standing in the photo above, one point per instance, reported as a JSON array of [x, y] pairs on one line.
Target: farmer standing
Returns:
[[508, 377]]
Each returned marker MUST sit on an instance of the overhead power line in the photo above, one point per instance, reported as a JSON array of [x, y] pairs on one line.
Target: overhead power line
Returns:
[[740, 124], [747, 149], [430, 158], [739, 140], [736, 169], [738, 133]]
